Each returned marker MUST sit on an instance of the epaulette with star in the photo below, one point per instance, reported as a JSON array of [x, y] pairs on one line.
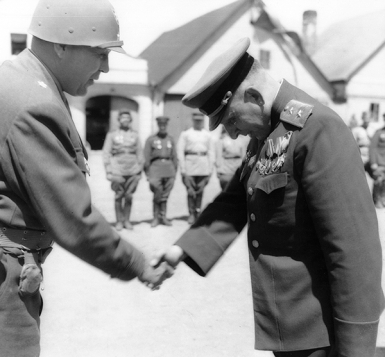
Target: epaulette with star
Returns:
[[296, 113]]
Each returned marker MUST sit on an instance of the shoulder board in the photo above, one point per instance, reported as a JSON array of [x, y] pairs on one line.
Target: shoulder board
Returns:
[[296, 113]]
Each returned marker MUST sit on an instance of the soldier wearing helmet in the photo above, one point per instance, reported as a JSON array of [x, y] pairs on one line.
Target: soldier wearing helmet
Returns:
[[43, 190]]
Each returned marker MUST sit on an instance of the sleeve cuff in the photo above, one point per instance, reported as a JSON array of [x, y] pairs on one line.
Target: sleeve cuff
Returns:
[[355, 339]]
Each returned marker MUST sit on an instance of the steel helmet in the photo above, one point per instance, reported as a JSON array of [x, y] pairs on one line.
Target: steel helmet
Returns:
[[77, 22]]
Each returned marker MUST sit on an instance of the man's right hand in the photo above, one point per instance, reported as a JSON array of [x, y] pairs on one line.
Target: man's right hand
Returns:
[[172, 256], [153, 276]]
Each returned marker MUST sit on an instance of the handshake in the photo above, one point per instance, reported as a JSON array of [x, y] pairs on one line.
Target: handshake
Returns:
[[161, 267]]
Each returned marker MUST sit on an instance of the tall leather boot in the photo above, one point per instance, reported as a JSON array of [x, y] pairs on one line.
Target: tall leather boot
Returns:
[[155, 221], [163, 210], [119, 215], [191, 209], [198, 204], [127, 214]]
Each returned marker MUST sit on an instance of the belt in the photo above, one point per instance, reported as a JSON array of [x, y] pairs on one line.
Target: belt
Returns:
[[163, 159], [24, 239], [195, 153], [121, 152], [231, 157]]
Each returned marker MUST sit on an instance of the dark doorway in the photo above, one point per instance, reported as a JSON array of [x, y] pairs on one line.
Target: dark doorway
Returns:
[[101, 117], [97, 120]]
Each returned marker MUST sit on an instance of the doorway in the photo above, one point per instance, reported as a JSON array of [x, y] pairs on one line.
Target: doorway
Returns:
[[101, 117]]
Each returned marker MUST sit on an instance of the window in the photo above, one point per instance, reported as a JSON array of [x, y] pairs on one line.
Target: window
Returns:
[[264, 58], [18, 42]]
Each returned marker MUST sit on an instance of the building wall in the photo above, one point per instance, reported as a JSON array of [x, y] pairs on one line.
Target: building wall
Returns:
[[283, 65], [368, 87], [128, 76], [142, 118]]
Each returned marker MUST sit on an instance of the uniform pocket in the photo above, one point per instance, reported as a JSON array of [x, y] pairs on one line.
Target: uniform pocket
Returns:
[[272, 182]]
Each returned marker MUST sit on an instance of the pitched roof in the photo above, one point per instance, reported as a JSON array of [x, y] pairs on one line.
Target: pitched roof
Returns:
[[170, 50], [346, 46]]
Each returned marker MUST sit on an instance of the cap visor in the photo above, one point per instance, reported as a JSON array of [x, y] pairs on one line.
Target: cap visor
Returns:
[[118, 49]]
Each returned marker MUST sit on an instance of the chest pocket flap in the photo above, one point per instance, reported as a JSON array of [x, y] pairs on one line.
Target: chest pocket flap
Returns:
[[270, 183]]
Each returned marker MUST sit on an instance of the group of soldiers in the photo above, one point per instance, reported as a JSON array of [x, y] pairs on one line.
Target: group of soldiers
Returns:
[[371, 142], [196, 154]]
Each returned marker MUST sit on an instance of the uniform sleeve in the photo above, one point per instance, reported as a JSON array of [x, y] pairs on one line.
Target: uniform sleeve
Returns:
[[373, 148], [139, 153], [218, 154], [40, 166], [345, 221], [180, 151], [174, 156], [107, 147], [147, 154], [216, 228], [211, 153]]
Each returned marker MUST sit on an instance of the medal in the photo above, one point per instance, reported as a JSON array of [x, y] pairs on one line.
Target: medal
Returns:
[[275, 155]]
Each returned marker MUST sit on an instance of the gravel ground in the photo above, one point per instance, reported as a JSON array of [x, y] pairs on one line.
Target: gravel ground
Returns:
[[88, 314]]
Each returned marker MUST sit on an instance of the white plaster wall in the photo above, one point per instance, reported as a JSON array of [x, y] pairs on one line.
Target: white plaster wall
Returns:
[[282, 66], [368, 86]]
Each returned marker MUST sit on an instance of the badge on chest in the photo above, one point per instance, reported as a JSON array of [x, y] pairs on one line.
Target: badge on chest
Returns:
[[273, 156]]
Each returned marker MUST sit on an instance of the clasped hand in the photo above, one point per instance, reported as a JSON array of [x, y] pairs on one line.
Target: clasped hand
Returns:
[[161, 267]]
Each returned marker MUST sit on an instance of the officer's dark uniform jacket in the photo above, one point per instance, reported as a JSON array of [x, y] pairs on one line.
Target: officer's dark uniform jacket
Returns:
[[314, 249], [160, 156], [42, 171]]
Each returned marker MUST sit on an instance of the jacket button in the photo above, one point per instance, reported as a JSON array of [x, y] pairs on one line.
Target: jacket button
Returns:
[[252, 217], [255, 243], [250, 191]]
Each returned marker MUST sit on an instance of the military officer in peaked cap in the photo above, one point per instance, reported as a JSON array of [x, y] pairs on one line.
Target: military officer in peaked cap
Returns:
[[314, 249], [160, 167], [43, 190]]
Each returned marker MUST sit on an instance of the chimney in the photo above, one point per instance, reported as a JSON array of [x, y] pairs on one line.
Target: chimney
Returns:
[[309, 31]]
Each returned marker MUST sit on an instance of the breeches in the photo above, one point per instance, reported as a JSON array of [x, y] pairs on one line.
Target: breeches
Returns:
[[19, 315], [195, 184], [126, 188], [161, 186]]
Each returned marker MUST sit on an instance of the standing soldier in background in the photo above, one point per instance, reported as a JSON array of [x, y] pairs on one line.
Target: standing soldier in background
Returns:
[[228, 157], [123, 160], [44, 194], [196, 159], [160, 167]]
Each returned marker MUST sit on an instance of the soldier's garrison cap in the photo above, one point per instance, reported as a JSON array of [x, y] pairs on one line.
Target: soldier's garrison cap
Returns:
[[124, 111], [162, 120], [197, 116], [219, 82]]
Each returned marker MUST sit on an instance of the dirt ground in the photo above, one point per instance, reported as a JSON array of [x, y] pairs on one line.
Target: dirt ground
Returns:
[[88, 314]]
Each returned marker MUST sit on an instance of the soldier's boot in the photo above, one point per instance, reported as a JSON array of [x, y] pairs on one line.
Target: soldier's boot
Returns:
[[191, 209], [155, 222], [127, 214], [198, 204], [119, 215], [163, 211]]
